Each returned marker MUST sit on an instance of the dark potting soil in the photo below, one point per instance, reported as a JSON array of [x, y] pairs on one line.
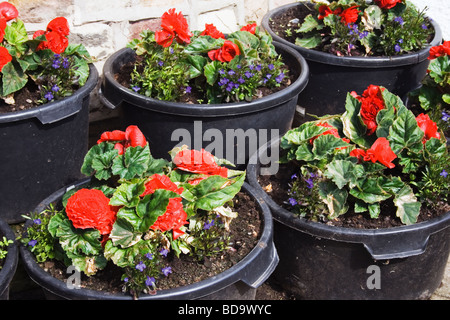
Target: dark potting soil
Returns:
[[245, 231], [277, 187], [24, 99]]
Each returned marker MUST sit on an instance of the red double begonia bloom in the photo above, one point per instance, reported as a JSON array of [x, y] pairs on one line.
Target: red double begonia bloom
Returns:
[[211, 30], [380, 151], [251, 27], [350, 15], [174, 26], [132, 137], [55, 35], [158, 181], [89, 208], [226, 53], [173, 219], [387, 4], [371, 103], [8, 11], [428, 126], [59, 25], [175, 216], [5, 57], [438, 51], [202, 162]]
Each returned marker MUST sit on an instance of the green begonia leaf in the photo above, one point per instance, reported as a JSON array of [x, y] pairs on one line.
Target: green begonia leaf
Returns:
[[215, 191], [408, 208], [75, 241], [342, 172], [334, 198], [128, 194], [133, 163], [152, 206]]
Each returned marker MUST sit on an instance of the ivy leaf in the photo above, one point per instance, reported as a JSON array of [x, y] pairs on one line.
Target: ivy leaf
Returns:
[[133, 163]]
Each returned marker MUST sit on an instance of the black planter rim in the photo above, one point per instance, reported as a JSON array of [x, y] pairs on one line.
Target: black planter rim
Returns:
[[112, 100], [55, 111], [417, 233], [12, 257], [349, 61], [247, 266]]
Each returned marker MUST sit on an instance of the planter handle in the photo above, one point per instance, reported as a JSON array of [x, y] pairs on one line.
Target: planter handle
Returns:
[[259, 270], [405, 242], [105, 101]]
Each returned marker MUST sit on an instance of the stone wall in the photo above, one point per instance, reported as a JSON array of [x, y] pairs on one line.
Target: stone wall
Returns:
[[105, 26]]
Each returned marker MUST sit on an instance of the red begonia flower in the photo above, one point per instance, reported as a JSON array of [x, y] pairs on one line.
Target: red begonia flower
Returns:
[[89, 208], [132, 137], [428, 126], [56, 42], [55, 35], [173, 219], [380, 151], [251, 27], [59, 25], [201, 162], [371, 102], [349, 15], [226, 53], [5, 57], [211, 30], [158, 181], [387, 4], [437, 51], [8, 11], [175, 216], [174, 26]]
